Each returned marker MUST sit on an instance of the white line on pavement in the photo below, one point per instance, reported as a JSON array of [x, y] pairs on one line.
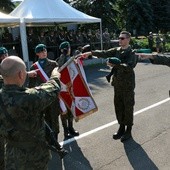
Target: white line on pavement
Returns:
[[112, 123]]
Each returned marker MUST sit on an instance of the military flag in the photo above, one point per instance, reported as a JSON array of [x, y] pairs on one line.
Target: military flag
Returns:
[[75, 91]]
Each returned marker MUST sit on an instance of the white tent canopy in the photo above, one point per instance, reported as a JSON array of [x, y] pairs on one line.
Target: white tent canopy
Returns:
[[40, 12], [7, 20], [50, 11]]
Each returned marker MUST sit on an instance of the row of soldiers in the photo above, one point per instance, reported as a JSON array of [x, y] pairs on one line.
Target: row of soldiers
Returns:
[[50, 112], [52, 39]]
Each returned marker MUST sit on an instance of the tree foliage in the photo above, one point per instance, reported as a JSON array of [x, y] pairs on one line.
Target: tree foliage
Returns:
[[136, 15], [6, 6], [99, 8], [161, 13], [142, 16]]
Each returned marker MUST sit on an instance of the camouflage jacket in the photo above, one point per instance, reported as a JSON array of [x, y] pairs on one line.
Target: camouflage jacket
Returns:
[[25, 106], [124, 76], [1, 81]]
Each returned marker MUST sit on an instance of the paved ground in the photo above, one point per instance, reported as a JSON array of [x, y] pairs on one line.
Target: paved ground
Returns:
[[149, 149]]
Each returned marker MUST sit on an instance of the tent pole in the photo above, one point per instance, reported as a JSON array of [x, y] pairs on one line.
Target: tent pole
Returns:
[[101, 37], [24, 42]]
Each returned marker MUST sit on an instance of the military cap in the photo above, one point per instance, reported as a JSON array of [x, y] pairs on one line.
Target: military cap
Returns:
[[114, 60], [3, 50], [144, 50], [40, 47], [64, 45]]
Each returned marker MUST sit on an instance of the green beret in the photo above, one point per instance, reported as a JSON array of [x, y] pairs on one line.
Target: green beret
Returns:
[[143, 50], [65, 45], [114, 60], [3, 50], [40, 47]]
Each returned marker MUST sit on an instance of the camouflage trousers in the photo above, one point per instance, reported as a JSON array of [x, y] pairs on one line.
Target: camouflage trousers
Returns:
[[2, 153], [26, 158], [124, 106]]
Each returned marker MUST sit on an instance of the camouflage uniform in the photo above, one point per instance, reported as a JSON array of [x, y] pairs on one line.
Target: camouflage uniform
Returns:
[[1, 140], [26, 106], [3, 54], [123, 81], [51, 112]]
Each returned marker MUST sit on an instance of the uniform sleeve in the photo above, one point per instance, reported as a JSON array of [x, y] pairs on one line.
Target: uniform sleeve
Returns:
[[105, 53], [132, 61], [42, 96], [161, 60], [1, 81], [31, 81]]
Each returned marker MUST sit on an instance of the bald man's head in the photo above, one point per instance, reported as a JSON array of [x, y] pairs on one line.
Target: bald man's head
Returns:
[[11, 65]]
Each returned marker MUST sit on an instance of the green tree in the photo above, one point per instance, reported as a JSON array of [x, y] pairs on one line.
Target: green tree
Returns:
[[136, 15], [99, 8], [6, 6], [161, 11]]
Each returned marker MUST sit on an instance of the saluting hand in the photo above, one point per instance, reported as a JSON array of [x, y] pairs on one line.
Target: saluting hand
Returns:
[[55, 73]]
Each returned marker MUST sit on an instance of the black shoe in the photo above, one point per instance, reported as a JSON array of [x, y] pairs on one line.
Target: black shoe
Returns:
[[74, 132], [67, 133], [127, 135], [62, 153], [119, 133]]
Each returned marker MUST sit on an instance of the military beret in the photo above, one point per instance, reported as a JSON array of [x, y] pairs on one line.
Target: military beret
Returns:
[[114, 60], [40, 47], [143, 50], [3, 50], [65, 45]]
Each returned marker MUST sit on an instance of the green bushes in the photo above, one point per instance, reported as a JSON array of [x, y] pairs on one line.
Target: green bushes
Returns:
[[142, 42]]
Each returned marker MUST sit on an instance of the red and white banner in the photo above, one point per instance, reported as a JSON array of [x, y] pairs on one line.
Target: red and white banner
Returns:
[[74, 90]]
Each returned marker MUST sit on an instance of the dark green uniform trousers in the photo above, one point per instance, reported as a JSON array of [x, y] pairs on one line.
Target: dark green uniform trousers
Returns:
[[124, 106]]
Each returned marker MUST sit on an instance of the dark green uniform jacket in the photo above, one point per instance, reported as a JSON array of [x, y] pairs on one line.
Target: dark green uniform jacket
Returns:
[[124, 77]]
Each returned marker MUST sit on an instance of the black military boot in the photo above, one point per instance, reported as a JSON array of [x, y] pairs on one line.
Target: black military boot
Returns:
[[67, 133], [127, 135], [61, 151], [72, 131], [119, 133]]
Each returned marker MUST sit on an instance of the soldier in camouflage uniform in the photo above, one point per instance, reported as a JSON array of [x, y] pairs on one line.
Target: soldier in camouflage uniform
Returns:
[[25, 106], [3, 54], [123, 80], [53, 110]]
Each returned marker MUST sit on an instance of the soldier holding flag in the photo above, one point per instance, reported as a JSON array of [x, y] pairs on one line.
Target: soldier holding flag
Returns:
[[67, 119]]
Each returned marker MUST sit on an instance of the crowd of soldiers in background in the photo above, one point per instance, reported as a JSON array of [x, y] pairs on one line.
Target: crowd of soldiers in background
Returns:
[[159, 41], [53, 38], [77, 39]]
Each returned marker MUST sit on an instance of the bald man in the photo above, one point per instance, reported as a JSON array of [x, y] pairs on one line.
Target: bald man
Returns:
[[24, 106]]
